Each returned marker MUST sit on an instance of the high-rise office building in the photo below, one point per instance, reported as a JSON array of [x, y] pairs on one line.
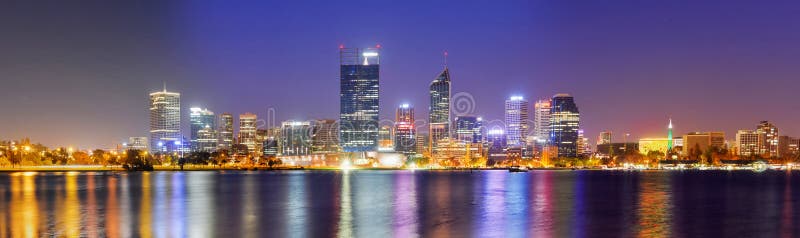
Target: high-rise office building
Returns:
[[247, 131], [270, 147], [439, 115], [295, 138], [748, 143], [359, 99], [564, 124], [225, 131], [404, 130], [769, 143], [541, 121], [202, 120], [165, 121], [325, 136], [516, 119], [583, 144], [469, 129]]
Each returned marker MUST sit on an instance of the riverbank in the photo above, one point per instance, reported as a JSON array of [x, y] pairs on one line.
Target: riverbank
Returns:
[[100, 168]]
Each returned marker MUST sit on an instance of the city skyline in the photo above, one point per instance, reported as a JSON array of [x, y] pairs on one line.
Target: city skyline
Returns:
[[652, 74]]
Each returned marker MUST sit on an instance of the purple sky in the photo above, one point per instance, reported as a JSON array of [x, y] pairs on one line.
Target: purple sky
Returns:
[[79, 74]]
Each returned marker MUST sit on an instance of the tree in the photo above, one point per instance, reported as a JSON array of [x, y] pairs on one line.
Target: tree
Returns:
[[80, 157], [136, 160]]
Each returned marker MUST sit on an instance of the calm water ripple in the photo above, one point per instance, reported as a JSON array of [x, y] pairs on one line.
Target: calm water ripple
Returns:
[[401, 204]]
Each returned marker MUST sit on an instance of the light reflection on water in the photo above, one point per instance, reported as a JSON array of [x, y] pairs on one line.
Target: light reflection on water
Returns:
[[399, 204]]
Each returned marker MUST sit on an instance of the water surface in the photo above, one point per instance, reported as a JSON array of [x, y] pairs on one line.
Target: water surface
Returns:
[[401, 204]]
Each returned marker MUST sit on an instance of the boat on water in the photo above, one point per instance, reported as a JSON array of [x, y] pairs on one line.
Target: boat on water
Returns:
[[517, 169]]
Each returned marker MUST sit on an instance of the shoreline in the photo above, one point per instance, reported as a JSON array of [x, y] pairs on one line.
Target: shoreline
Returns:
[[60, 169]]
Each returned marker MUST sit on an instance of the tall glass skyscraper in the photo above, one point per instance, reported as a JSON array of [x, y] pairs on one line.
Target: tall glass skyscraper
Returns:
[[203, 124], [359, 99], [439, 123], [404, 130], [516, 118], [165, 121], [564, 124], [225, 131]]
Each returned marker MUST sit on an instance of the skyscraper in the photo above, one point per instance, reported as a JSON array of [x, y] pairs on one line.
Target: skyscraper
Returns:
[[247, 131], [769, 143], [564, 124], [225, 131], [439, 123], [541, 121], [516, 119], [404, 130], [359, 99], [165, 121], [604, 138], [468, 129], [202, 120]]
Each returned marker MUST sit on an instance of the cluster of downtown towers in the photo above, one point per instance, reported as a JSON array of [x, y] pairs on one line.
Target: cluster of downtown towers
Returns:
[[555, 123]]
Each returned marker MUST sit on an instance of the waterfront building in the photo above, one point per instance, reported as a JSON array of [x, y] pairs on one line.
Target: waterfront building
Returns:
[[165, 121], [788, 147], [768, 133], [583, 144], [564, 124], [247, 131], [439, 116], [325, 137], [404, 130], [295, 138], [516, 119], [748, 143], [468, 129], [359, 99], [496, 141], [385, 139], [541, 120], [225, 131], [202, 120], [703, 141], [646, 145], [270, 147], [137, 143], [421, 145]]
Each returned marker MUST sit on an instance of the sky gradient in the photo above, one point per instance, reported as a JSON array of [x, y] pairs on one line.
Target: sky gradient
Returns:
[[79, 75]]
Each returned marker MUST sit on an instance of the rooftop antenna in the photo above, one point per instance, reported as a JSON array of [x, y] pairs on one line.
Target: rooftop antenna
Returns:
[[165, 86]]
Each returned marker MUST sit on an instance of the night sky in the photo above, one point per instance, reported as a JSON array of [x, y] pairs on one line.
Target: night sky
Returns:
[[79, 74]]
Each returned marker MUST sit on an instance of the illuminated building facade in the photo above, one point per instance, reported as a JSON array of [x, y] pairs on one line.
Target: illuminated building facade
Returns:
[[564, 124], [541, 121], [385, 139], [202, 126], [325, 136], [604, 138], [137, 143], [516, 119], [295, 138], [496, 141], [225, 132], [439, 123], [646, 145], [748, 143], [247, 131], [404, 130], [469, 129], [769, 143], [165, 121], [703, 141], [359, 99]]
